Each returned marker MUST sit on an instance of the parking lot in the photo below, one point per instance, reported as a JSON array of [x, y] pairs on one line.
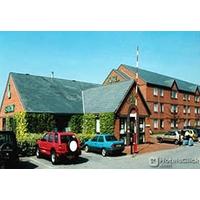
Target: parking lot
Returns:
[[183, 157]]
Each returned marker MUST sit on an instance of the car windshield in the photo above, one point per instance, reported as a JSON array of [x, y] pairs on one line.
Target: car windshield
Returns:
[[110, 138], [66, 138], [6, 138]]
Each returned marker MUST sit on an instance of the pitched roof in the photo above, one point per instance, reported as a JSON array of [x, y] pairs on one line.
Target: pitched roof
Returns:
[[106, 98], [52, 95], [123, 75], [162, 80]]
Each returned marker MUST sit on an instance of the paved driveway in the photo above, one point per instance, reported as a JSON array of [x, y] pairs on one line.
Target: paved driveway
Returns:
[[183, 157]]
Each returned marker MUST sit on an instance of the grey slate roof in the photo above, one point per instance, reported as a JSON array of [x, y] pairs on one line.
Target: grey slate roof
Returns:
[[51, 95], [106, 98], [122, 75], [162, 80]]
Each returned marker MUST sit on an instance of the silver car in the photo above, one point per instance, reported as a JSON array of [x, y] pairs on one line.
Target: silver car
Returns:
[[171, 136]]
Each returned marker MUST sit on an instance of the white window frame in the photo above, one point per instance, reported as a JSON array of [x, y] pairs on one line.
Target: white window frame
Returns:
[[172, 94], [162, 125], [155, 107], [184, 109], [162, 92], [155, 91], [155, 123], [188, 110]]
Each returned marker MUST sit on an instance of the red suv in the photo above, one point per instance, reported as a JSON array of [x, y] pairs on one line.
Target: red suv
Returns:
[[58, 145]]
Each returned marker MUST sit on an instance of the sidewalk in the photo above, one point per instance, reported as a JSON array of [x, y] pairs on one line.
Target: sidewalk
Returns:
[[151, 147]]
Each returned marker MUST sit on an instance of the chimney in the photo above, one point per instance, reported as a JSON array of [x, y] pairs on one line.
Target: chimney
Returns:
[[52, 74]]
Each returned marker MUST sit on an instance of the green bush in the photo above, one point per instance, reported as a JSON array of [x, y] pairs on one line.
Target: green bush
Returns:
[[107, 122], [39, 122], [89, 124], [83, 137], [27, 143], [76, 123]]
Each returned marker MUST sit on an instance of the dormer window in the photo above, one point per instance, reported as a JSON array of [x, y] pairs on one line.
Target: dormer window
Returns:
[[197, 99], [174, 94]]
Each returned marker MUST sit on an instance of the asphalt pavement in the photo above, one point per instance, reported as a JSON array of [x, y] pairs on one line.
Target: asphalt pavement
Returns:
[[183, 157]]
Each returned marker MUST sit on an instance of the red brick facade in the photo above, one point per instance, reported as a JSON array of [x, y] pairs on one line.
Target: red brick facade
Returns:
[[14, 99], [162, 119]]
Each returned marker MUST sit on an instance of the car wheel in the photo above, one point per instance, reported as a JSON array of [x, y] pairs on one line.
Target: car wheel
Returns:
[[103, 152], [54, 158], [176, 142], [38, 154], [86, 149], [160, 140]]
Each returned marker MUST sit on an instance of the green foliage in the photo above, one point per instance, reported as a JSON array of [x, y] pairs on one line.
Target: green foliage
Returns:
[[40, 122], [89, 124], [21, 125], [83, 137], [27, 143], [107, 122], [76, 123]]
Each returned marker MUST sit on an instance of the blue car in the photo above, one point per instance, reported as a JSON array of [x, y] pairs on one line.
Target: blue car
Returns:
[[104, 144]]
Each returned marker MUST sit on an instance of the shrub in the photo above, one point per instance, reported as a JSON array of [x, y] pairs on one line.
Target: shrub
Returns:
[[76, 123], [89, 124], [27, 143], [107, 122], [83, 137], [39, 122]]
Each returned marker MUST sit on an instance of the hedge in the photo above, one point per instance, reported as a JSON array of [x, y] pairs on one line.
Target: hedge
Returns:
[[27, 143], [107, 122], [76, 123], [89, 124]]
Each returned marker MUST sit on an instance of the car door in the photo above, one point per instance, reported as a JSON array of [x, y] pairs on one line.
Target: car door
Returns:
[[43, 143], [100, 143], [49, 143], [93, 144]]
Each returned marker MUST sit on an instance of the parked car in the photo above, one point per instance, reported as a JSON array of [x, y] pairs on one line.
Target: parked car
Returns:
[[105, 144], [58, 145], [171, 136], [190, 132], [8, 149]]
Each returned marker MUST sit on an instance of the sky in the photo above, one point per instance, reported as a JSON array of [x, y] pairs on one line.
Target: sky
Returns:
[[90, 56]]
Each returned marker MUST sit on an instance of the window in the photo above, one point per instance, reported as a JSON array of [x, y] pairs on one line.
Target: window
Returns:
[[184, 109], [101, 139], [174, 109], [161, 123], [45, 137], [186, 97], [188, 110], [123, 125], [50, 139], [155, 123], [197, 99], [56, 138], [94, 139], [174, 94], [198, 111], [198, 122], [185, 123], [155, 91], [161, 107], [161, 92], [155, 108], [174, 123]]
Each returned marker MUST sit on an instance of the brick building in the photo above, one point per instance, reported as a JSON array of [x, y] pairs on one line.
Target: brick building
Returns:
[[161, 103], [64, 98], [173, 103]]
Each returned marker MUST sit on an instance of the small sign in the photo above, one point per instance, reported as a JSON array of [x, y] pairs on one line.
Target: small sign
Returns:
[[10, 108]]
